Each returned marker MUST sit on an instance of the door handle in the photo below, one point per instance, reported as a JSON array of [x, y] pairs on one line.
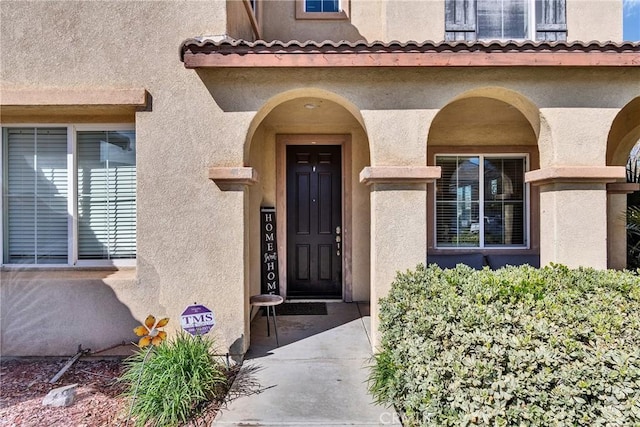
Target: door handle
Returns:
[[338, 240]]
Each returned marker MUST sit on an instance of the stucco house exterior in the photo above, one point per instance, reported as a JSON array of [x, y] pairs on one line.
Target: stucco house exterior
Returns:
[[140, 140]]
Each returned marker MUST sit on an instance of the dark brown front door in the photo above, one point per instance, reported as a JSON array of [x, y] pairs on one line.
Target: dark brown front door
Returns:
[[314, 221]]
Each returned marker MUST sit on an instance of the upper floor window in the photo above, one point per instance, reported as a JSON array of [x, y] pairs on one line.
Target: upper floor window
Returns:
[[322, 5], [69, 195], [505, 20], [322, 9]]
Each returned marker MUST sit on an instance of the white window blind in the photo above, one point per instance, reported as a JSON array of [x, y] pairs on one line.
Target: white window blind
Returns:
[[36, 196], [106, 194], [481, 202]]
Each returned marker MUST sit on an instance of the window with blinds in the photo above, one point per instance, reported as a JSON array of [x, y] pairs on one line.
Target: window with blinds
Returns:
[[471, 20], [106, 195], [36, 197], [38, 209], [481, 202]]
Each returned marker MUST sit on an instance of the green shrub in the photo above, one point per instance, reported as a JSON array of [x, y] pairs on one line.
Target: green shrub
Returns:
[[513, 347], [170, 383]]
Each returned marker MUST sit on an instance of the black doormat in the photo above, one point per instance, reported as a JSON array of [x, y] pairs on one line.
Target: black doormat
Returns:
[[300, 309]]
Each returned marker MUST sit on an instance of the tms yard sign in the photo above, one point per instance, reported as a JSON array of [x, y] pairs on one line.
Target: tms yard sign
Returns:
[[197, 319]]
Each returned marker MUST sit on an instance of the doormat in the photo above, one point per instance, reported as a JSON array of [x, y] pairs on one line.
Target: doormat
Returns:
[[300, 309]]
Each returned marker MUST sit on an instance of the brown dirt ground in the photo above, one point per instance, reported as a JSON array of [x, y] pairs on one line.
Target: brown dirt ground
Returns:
[[25, 382]]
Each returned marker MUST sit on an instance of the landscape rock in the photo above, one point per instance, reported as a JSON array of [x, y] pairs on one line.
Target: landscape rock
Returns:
[[61, 396]]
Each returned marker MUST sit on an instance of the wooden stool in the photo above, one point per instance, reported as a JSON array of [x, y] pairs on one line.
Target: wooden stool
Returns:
[[269, 301]]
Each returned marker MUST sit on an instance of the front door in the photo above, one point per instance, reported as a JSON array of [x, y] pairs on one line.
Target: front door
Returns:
[[314, 221]]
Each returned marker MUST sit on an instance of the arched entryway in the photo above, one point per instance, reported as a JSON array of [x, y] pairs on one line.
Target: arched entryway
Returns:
[[624, 134], [485, 141], [307, 147]]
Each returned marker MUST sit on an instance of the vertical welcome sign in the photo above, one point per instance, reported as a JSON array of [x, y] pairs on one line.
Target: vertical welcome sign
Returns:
[[269, 255]]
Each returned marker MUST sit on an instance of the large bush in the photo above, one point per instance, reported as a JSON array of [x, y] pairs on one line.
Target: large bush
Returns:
[[514, 347]]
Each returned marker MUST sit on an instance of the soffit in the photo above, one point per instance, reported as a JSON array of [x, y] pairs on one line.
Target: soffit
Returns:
[[203, 52]]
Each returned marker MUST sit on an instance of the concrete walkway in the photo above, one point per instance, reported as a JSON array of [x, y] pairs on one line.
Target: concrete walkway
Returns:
[[317, 377]]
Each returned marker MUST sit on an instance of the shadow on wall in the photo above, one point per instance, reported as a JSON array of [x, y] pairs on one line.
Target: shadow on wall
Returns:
[[51, 313]]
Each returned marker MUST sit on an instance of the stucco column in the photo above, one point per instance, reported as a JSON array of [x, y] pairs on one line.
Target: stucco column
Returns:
[[237, 180], [573, 213], [398, 226], [616, 226]]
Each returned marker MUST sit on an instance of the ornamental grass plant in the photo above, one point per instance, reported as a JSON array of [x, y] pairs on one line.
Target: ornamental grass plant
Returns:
[[515, 347], [170, 383]]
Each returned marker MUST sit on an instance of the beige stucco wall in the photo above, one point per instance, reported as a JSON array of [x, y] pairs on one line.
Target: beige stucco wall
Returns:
[[406, 20], [369, 20], [189, 249], [589, 20], [197, 241], [51, 313], [572, 234], [398, 228]]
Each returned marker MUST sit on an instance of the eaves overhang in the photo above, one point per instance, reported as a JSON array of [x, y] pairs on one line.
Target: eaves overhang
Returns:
[[203, 52]]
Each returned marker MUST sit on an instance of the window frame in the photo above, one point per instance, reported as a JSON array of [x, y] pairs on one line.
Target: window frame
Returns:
[[72, 191], [343, 14], [526, 198]]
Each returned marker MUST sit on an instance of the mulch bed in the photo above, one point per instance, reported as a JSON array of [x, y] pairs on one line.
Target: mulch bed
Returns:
[[25, 382]]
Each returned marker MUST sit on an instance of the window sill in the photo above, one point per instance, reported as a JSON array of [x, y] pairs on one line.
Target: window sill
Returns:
[[322, 16], [9, 273]]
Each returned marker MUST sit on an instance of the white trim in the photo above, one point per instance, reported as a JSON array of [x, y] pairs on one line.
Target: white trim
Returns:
[[532, 20], [526, 196], [128, 262], [480, 201], [72, 200], [72, 191], [3, 136], [105, 127]]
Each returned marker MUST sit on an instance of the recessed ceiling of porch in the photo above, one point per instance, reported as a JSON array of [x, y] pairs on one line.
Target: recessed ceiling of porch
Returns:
[[310, 115], [481, 121]]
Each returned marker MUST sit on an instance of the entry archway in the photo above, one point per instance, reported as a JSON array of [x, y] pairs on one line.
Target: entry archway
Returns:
[[490, 135], [624, 134], [311, 117]]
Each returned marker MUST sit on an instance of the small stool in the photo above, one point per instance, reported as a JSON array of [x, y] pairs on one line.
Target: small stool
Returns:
[[269, 301]]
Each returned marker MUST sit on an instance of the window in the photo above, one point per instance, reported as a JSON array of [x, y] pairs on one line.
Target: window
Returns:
[[481, 201], [505, 20], [502, 20], [322, 9], [322, 6], [70, 195]]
